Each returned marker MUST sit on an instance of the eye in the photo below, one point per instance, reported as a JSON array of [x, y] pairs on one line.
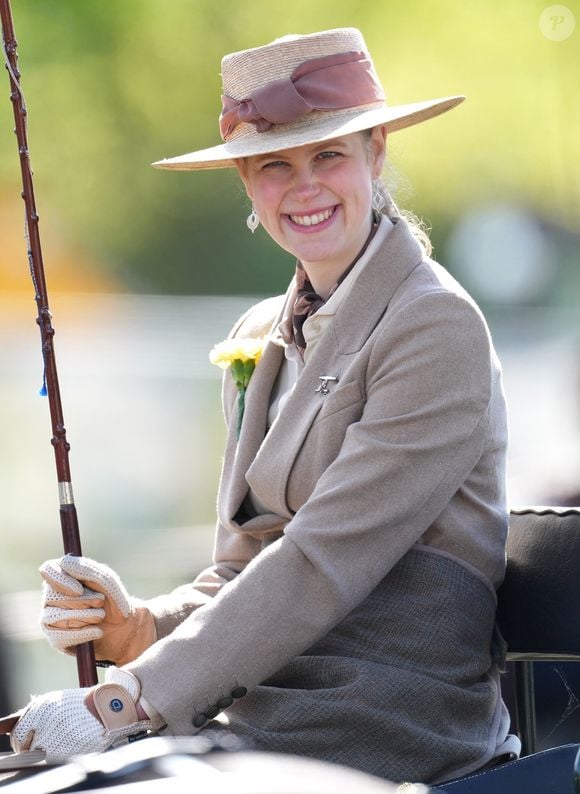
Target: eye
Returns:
[[274, 164], [329, 155]]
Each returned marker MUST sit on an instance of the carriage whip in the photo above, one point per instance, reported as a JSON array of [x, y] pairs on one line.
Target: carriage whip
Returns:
[[68, 515]]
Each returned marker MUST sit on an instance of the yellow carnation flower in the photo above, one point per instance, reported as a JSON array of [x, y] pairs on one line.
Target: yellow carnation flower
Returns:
[[236, 349], [240, 355]]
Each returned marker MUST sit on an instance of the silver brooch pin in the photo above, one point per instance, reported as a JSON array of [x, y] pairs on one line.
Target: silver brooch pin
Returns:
[[326, 379]]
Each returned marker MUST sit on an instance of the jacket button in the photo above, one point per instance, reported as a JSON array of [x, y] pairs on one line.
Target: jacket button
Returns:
[[239, 692], [199, 720], [212, 712], [225, 702]]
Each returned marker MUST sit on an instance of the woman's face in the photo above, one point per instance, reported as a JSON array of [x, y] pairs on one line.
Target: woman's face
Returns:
[[315, 200]]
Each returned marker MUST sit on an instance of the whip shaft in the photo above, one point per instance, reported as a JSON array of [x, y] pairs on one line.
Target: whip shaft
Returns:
[[68, 515]]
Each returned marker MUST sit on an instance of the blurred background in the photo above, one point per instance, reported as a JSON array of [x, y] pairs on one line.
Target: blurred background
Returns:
[[147, 270]]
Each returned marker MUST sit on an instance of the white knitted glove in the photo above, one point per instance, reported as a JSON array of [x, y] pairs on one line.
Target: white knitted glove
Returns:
[[74, 721], [85, 601]]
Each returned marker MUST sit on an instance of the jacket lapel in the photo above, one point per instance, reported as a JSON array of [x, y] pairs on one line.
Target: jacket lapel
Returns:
[[373, 290], [274, 461]]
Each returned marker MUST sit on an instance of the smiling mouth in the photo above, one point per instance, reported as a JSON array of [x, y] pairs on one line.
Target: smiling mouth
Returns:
[[312, 220]]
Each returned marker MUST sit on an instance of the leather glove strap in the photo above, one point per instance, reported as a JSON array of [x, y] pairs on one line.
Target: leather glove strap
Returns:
[[115, 706]]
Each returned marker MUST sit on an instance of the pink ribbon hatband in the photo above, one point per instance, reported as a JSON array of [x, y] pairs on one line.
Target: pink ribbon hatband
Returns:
[[333, 82]]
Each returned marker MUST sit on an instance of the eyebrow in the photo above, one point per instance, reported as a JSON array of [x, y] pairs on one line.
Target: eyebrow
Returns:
[[333, 143], [260, 158], [321, 146]]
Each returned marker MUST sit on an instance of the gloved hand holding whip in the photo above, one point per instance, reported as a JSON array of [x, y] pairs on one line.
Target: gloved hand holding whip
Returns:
[[85, 601]]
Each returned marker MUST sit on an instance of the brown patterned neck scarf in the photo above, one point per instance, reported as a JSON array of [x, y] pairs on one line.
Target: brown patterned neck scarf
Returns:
[[308, 301]]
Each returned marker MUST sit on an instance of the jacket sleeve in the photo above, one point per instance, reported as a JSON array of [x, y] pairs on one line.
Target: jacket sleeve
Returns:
[[422, 431]]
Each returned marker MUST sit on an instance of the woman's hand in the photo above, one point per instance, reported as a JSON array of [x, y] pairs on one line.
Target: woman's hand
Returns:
[[72, 721], [85, 601]]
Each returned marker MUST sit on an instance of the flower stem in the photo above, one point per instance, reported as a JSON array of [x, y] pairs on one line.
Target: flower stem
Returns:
[[241, 406]]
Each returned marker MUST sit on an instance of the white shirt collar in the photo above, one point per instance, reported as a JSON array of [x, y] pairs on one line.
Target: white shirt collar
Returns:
[[332, 304]]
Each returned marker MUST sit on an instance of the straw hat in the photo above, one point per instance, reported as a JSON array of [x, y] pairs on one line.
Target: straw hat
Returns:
[[299, 90]]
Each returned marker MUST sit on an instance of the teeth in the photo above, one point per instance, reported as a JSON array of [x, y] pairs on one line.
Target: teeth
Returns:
[[311, 220]]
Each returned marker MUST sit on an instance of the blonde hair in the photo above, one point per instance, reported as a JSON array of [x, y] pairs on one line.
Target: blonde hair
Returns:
[[392, 211]]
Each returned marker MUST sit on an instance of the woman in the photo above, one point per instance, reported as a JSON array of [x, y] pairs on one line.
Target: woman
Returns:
[[349, 614]]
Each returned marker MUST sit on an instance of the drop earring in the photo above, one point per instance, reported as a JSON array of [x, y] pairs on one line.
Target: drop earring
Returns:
[[378, 202], [252, 221]]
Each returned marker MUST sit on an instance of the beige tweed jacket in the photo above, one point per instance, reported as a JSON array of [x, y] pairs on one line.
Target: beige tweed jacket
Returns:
[[404, 449]]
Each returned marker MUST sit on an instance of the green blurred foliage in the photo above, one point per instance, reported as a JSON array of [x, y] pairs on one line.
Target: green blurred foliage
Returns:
[[115, 84]]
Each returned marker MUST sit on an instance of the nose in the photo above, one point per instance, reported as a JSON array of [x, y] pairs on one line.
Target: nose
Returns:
[[305, 184]]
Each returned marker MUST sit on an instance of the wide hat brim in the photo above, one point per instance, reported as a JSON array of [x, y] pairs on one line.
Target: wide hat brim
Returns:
[[312, 128]]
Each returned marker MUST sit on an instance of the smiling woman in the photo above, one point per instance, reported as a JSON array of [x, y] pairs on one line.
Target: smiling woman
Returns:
[[349, 614]]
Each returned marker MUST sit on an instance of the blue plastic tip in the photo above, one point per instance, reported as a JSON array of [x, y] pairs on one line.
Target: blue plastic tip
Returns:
[[43, 391]]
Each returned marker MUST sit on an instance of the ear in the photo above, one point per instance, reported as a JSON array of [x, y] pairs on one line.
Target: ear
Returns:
[[378, 149], [242, 166]]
